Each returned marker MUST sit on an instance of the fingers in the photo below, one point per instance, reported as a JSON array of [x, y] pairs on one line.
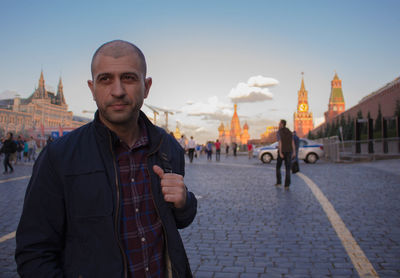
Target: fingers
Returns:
[[159, 171], [172, 180], [172, 187]]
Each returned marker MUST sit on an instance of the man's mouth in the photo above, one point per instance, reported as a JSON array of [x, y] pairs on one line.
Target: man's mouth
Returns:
[[118, 106]]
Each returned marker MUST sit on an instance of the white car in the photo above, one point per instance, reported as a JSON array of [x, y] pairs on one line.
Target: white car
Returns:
[[309, 151]]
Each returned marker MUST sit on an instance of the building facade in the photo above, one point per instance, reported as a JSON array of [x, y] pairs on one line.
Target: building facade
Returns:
[[269, 136], [303, 118], [336, 104], [42, 114], [235, 133]]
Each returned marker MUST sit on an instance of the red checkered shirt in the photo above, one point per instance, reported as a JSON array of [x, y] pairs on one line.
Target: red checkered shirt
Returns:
[[141, 228]]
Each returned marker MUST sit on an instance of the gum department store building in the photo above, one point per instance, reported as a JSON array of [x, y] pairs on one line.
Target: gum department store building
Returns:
[[41, 114]]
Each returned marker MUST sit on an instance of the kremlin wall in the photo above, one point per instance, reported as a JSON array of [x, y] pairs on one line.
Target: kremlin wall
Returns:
[[387, 98], [45, 113]]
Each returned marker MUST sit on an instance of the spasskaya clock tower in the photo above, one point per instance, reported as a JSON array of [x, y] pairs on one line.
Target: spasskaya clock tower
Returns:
[[303, 119]]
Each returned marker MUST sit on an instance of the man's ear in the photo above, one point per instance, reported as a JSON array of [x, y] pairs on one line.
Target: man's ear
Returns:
[[91, 87], [147, 84]]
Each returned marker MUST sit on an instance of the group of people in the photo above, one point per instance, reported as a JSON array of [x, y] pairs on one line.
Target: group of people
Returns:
[[195, 150], [16, 151], [26, 149]]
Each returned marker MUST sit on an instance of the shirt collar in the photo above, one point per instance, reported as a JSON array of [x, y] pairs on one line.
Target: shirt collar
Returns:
[[143, 139]]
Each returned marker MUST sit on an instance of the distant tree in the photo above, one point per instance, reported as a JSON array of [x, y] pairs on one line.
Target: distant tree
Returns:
[[349, 129], [334, 129], [397, 110], [327, 130], [378, 121]]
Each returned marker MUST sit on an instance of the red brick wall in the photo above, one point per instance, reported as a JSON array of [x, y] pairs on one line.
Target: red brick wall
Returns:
[[386, 97]]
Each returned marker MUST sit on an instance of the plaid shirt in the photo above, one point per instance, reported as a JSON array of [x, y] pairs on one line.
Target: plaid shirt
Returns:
[[141, 228]]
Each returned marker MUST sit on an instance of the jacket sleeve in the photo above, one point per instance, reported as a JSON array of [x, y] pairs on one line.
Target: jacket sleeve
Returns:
[[185, 216], [40, 233]]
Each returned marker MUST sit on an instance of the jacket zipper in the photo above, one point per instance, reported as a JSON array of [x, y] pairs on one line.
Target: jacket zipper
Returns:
[[117, 211], [158, 213]]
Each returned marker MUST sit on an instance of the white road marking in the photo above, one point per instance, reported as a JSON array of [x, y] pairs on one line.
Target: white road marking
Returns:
[[357, 256], [15, 179], [11, 235], [7, 237]]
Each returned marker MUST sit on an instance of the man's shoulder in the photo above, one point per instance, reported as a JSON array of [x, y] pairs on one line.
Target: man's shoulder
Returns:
[[71, 140]]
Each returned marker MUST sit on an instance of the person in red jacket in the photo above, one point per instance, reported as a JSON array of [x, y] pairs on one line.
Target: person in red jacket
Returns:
[[217, 150], [250, 149]]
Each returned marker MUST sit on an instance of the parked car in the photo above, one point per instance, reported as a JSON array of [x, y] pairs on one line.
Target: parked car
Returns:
[[309, 151]]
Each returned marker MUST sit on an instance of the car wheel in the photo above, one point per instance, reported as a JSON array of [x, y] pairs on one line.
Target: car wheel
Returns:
[[312, 158], [266, 158]]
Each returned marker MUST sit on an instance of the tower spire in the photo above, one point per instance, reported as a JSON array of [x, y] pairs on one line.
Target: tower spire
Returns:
[[302, 88], [41, 92], [303, 120], [60, 92], [41, 80]]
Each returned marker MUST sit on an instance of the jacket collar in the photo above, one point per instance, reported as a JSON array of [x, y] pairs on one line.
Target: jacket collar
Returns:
[[155, 134]]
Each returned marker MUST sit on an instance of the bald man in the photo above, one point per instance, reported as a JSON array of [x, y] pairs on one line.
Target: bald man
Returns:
[[107, 199]]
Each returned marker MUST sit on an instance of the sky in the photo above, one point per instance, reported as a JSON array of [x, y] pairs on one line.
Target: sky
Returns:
[[205, 55]]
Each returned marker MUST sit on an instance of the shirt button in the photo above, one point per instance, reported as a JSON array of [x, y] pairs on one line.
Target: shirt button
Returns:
[[132, 180], [137, 210], [143, 239], [147, 269]]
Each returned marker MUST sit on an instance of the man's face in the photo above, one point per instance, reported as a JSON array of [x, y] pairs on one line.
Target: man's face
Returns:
[[280, 125], [119, 88]]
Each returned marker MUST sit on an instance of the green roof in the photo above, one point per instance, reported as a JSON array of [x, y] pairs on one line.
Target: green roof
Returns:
[[336, 95]]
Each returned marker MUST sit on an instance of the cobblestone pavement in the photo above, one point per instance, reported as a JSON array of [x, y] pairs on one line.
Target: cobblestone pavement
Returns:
[[247, 227]]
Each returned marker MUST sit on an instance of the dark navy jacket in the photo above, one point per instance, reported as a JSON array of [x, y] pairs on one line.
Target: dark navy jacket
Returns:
[[70, 221]]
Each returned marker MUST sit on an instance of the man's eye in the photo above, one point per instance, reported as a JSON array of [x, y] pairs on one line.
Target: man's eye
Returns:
[[104, 78], [129, 77]]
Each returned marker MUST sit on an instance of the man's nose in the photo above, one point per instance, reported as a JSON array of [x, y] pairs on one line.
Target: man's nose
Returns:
[[118, 89]]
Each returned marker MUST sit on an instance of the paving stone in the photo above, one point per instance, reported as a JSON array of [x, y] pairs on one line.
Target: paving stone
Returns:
[[248, 226]]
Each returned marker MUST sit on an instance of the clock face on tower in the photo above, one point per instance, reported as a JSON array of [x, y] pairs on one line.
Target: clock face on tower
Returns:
[[303, 107]]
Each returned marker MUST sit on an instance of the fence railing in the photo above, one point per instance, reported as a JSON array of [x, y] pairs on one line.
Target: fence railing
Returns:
[[336, 150]]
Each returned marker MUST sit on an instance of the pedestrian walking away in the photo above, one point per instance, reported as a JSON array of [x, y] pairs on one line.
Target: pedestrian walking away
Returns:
[[32, 149], [191, 148], [227, 150], [217, 150], [295, 162], [234, 148], [9, 147], [112, 205], [250, 149], [20, 148], [286, 153], [182, 142], [209, 150]]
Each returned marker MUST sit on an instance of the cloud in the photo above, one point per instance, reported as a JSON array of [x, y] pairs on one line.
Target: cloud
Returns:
[[210, 110], [261, 81], [8, 94], [255, 90]]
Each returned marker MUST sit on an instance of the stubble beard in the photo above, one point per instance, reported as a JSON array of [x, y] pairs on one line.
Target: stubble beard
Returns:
[[123, 118]]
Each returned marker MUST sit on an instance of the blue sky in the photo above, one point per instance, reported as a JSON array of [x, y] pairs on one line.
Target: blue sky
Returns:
[[197, 51]]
